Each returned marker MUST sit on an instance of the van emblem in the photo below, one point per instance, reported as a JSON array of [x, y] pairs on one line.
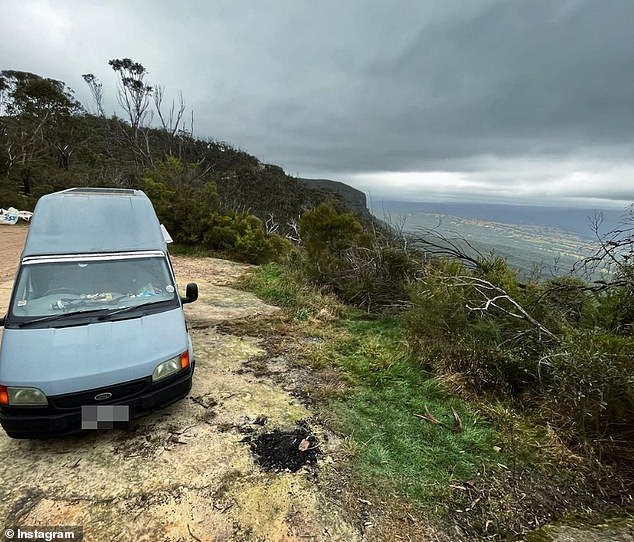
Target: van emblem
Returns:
[[103, 396]]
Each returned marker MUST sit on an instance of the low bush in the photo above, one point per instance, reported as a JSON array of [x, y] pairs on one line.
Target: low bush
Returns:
[[494, 335], [243, 236], [457, 324], [368, 270], [590, 388], [615, 311]]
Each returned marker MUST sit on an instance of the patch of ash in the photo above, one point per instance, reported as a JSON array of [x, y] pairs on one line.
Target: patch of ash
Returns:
[[285, 450]]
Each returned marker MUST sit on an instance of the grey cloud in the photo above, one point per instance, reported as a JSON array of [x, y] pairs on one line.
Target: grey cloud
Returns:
[[362, 86], [517, 78]]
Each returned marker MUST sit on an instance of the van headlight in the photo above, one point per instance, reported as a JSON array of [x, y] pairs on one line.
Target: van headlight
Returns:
[[171, 366], [15, 396]]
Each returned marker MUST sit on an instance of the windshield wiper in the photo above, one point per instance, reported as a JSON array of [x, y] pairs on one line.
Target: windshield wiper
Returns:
[[110, 312], [61, 316], [122, 310]]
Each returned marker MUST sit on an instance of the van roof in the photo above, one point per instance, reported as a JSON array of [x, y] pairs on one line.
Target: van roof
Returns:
[[87, 220]]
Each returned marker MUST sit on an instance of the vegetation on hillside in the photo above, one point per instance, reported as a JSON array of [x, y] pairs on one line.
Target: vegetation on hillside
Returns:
[[206, 191]]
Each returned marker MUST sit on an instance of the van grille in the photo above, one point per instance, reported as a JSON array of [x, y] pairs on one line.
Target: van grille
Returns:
[[118, 391]]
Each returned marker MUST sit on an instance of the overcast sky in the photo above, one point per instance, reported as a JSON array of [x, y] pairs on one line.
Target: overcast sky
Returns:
[[461, 100]]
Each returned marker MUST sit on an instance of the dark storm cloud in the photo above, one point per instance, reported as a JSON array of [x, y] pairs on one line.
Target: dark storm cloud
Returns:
[[536, 77], [528, 96]]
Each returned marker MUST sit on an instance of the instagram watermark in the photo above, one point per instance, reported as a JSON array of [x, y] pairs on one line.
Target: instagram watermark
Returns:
[[44, 532]]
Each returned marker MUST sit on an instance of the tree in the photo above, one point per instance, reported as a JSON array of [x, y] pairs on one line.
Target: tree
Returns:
[[96, 89], [133, 94], [37, 112], [26, 93]]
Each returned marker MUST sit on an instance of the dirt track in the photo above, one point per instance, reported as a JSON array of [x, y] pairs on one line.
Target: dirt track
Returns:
[[184, 473], [11, 241]]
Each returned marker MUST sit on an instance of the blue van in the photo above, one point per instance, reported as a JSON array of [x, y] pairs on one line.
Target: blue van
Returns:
[[95, 333]]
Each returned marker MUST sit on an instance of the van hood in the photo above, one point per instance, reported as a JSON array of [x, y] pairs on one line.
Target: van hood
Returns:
[[71, 359]]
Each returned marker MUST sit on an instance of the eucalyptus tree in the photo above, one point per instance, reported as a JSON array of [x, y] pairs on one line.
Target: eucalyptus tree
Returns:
[[35, 121], [96, 89], [133, 93]]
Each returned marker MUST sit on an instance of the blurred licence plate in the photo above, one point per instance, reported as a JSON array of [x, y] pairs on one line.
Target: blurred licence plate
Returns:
[[104, 416]]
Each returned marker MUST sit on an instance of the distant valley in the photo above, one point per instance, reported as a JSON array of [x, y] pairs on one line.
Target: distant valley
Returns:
[[550, 240]]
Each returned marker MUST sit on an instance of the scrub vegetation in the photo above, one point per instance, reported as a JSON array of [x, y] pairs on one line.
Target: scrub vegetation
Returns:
[[494, 405]]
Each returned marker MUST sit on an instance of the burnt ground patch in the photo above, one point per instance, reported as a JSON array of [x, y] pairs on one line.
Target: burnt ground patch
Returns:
[[284, 450]]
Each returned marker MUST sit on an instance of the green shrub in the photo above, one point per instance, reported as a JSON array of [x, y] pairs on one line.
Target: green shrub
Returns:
[[496, 270], [183, 204], [590, 388], [363, 269], [437, 309], [243, 236], [492, 349], [326, 234], [375, 277], [10, 197], [615, 310]]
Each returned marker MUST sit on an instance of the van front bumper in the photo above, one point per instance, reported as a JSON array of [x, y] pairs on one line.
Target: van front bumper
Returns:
[[55, 422]]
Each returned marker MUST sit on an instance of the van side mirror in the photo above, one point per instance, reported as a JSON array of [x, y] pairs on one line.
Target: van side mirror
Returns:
[[2, 322], [191, 293]]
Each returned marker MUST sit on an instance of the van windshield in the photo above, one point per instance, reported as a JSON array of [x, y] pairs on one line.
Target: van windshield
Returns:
[[50, 288]]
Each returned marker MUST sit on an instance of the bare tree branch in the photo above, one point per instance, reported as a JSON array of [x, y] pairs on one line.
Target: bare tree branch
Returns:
[[432, 242], [615, 254], [492, 297], [294, 234], [270, 224], [96, 89], [172, 123]]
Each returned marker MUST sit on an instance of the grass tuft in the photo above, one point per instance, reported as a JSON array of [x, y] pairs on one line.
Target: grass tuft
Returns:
[[277, 285], [397, 450]]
